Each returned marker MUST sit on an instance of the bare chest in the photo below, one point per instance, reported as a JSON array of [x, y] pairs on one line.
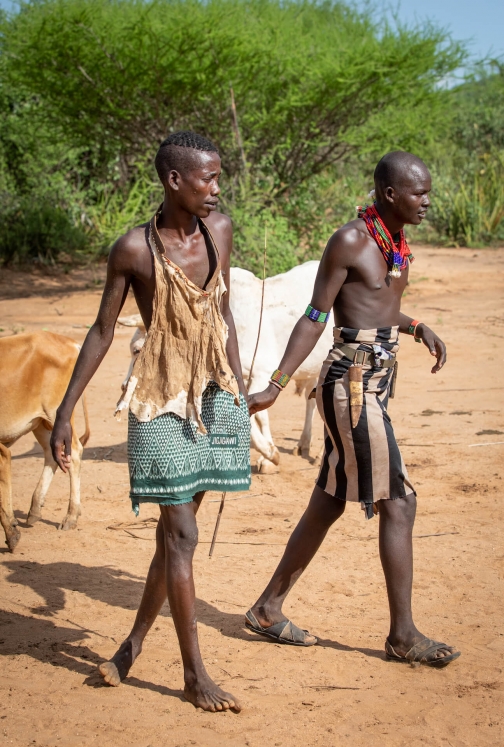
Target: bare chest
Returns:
[[196, 259], [371, 272]]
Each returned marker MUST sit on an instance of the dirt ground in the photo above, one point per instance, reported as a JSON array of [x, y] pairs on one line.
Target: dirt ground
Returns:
[[68, 599]]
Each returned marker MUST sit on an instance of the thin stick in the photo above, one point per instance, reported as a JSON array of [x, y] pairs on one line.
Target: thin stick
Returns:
[[244, 162], [262, 307], [214, 538], [237, 129]]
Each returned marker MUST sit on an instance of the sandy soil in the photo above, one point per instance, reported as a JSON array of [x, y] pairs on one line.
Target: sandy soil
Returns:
[[68, 599]]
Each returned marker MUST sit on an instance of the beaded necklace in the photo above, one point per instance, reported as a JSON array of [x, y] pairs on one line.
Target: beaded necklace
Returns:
[[396, 256]]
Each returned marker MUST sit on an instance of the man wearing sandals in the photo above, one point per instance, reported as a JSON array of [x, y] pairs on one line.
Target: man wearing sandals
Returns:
[[362, 276]]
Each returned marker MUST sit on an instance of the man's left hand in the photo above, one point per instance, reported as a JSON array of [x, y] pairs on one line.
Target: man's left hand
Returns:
[[436, 346]]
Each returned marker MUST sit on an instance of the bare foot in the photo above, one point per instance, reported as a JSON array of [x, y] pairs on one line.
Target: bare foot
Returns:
[[204, 693], [115, 670]]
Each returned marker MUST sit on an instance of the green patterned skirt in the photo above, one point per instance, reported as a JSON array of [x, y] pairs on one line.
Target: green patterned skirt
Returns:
[[169, 461]]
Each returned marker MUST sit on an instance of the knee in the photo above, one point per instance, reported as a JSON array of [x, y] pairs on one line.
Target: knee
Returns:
[[335, 510], [182, 540], [325, 509], [408, 507], [401, 511]]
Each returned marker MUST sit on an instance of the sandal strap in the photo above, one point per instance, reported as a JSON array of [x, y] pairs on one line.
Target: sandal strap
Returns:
[[284, 630], [422, 650], [291, 632], [252, 619]]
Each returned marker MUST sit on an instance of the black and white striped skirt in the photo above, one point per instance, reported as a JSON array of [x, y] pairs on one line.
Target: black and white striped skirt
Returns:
[[363, 463]]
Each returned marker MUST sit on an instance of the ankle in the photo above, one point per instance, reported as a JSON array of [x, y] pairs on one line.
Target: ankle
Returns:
[[404, 634], [194, 674], [134, 643], [267, 611]]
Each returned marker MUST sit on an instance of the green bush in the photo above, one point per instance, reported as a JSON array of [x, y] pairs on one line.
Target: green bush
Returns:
[[39, 231], [319, 87], [115, 210], [468, 204]]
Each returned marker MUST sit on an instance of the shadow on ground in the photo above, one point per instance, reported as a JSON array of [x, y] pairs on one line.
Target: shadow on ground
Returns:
[[63, 647], [122, 589]]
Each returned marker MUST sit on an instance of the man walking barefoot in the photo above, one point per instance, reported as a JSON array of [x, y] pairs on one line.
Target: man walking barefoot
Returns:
[[188, 427], [362, 276]]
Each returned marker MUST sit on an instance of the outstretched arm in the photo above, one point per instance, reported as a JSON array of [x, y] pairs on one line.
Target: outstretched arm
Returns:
[[94, 348], [436, 346], [331, 275]]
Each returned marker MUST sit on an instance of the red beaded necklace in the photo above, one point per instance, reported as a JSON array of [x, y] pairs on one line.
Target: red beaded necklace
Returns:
[[396, 256]]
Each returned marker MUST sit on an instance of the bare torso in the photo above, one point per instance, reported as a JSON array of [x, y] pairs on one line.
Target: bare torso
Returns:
[[196, 258], [366, 295]]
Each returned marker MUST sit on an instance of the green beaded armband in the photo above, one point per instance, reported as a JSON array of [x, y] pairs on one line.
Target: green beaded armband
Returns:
[[317, 316]]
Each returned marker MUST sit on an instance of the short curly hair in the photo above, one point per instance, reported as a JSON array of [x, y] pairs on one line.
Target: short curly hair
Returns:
[[175, 153]]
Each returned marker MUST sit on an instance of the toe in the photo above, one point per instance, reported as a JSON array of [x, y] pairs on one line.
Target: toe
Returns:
[[233, 703]]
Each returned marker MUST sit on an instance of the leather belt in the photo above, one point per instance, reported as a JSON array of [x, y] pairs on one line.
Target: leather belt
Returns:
[[362, 358], [365, 359]]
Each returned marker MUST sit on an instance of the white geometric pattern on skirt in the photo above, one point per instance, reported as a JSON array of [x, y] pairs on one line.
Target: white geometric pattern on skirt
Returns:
[[169, 461]]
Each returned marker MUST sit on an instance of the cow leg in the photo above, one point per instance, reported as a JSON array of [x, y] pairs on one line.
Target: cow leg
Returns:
[[262, 418], [43, 436], [7, 519], [267, 463], [269, 454], [304, 443], [74, 507]]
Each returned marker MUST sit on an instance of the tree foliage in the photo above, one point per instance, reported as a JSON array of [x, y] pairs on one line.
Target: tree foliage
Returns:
[[310, 79], [468, 162], [321, 91]]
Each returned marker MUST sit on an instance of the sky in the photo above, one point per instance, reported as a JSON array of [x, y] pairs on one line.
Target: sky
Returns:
[[479, 23]]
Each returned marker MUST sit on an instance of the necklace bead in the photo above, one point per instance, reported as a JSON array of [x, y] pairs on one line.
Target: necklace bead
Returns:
[[395, 256]]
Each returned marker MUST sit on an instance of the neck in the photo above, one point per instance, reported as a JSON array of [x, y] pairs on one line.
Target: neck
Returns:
[[393, 225], [176, 221]]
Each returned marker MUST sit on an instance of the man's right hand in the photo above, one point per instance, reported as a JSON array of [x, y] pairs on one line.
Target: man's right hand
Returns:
[[262, 400], [61, 443]]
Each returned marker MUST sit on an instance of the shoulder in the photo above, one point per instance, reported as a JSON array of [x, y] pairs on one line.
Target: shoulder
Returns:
[[346, 242], [220, 225], [129, 249], [222, 230]]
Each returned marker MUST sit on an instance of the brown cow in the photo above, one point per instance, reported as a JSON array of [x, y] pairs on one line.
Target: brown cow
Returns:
[[34, 373]]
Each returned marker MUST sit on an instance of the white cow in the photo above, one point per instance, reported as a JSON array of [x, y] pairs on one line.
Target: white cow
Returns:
[[286, 296]]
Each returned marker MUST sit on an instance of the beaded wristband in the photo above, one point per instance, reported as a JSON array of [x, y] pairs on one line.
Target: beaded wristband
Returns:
[[317, 316], [412, 329], [279, 379]]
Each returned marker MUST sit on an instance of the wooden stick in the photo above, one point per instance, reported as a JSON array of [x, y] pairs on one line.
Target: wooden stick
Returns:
[[214, 538], [262, 307], [237, 129]]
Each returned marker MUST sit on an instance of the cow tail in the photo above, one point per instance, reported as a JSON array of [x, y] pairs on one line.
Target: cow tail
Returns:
[[85, 436]]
